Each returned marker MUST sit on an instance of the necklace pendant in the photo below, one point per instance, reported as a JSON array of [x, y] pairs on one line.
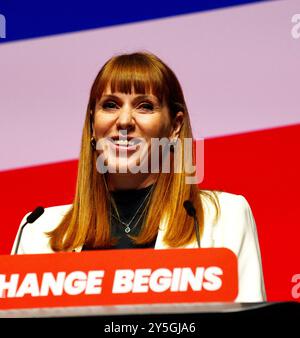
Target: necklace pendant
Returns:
[[127, 230]]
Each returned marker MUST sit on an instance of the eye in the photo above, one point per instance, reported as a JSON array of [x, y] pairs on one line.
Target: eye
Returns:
[[109, 105], [146, 106]]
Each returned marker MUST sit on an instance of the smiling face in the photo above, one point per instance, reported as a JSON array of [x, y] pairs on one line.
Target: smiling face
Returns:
[[134, 99], [124, 125]]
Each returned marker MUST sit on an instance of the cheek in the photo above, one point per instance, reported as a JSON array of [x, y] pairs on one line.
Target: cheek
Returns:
[[102, 126], [154, 128]]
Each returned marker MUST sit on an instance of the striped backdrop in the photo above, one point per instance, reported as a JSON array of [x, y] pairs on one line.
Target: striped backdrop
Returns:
[[238, 64]]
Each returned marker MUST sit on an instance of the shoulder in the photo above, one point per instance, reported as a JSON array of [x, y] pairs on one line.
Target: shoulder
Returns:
[[236, 209], [233, 221], [51, 217], [226, 203], [34, 238], [225, 198]]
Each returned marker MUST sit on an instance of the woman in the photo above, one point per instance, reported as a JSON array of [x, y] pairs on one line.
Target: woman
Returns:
[[135, 99]]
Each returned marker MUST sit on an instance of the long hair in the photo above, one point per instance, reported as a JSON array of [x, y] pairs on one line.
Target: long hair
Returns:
[[88, 220]]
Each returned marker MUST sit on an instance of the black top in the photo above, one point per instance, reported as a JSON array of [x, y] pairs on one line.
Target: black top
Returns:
[[129, 203]]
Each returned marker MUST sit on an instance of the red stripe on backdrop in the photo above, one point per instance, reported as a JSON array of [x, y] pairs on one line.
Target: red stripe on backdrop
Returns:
[[25, 189], [263, 166]]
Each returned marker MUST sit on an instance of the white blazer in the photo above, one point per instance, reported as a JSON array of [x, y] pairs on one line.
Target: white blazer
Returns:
[[235, 230]]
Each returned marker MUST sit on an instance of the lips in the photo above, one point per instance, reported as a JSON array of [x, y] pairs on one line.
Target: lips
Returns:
[[125, 142]]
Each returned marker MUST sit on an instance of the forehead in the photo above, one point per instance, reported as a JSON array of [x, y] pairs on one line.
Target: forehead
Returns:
[[131, 84], [127, 96]]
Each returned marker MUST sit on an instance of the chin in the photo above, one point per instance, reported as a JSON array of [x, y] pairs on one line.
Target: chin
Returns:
[[131, 166]]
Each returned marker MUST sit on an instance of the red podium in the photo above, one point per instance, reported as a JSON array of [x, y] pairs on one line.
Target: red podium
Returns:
[[114, 279]]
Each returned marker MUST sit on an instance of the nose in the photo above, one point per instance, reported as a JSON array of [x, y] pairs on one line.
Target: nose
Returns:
[[125, 119]]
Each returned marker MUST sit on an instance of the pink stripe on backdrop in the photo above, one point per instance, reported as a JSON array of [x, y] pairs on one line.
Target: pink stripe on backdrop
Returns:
[[239, 68]]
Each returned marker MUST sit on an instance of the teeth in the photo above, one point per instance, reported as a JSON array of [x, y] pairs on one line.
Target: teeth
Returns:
[[124, 142]]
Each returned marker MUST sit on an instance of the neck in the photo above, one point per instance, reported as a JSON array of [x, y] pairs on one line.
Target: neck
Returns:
[[130, 181]]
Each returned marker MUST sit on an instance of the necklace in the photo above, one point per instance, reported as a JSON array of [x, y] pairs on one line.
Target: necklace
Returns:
[[127, 225]]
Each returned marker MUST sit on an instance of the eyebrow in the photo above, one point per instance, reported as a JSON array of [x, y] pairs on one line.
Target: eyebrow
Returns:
[[136, 99]]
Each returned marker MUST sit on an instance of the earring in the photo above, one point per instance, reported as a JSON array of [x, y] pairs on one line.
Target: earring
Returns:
[[93, 143]]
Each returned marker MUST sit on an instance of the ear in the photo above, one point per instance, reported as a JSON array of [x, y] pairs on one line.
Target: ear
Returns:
[[177, 124], [92, 123]]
